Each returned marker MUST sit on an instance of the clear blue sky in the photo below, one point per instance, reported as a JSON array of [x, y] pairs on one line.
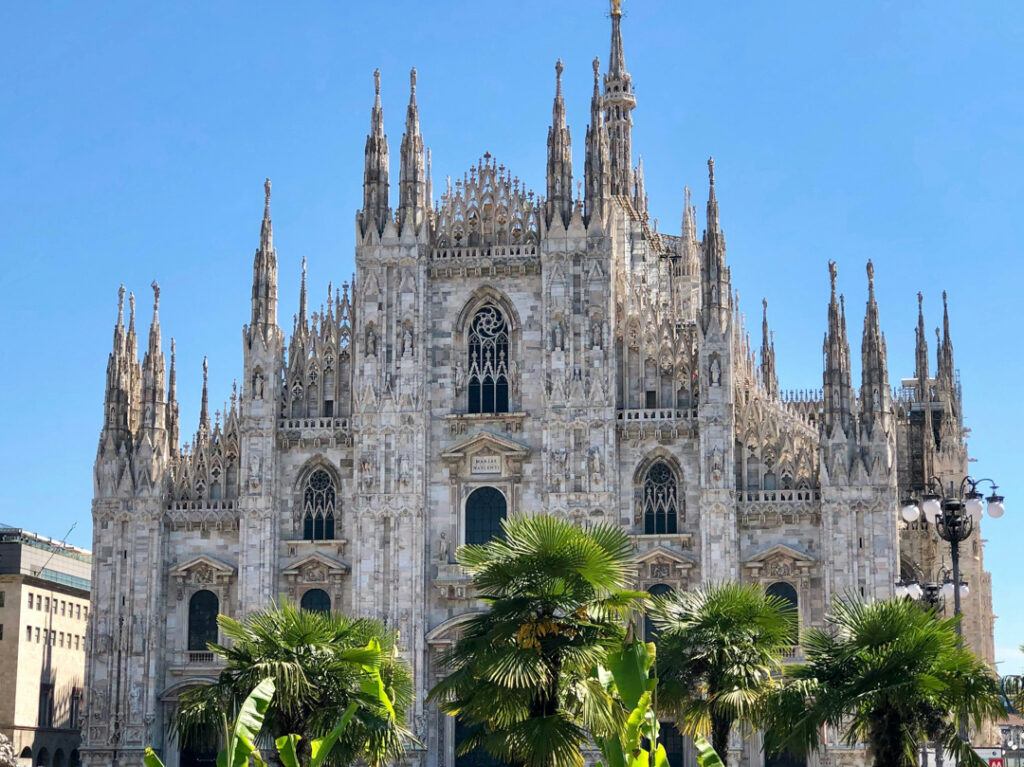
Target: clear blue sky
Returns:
[[136, 136]]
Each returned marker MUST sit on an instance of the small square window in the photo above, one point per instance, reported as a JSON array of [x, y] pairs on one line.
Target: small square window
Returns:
[[78, 612], [62, 639], [76, 641], [3, 597]]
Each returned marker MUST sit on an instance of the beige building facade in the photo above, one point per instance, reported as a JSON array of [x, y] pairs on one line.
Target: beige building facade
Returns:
[[44, 615], [498, 352]]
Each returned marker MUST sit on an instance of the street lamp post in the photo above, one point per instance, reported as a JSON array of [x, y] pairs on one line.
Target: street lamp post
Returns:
[[954, 513]]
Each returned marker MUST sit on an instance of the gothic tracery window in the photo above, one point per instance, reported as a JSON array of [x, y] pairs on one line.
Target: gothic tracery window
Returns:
[[659, 500], [488, 383], [318, 503]]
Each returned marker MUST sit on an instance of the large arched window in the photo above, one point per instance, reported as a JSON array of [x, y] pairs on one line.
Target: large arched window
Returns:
[[316, 601], [318, 507], [786, 591], [485, 508], [650, 630], [487, 375], [659, 500], [202, 619]]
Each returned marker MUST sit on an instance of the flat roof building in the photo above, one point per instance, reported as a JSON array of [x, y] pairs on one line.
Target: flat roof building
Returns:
[[44, 615]]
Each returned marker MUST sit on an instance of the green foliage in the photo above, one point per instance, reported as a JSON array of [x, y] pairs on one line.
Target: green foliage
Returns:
[[321, 665], [629, 681], [718, 648], [887, 673], [706, 754], [522, 673]]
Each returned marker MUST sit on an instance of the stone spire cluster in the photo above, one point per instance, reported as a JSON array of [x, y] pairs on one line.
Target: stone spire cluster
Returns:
[[412, 183], [376, 211], [264, 277], [836, 389], [619, 103]]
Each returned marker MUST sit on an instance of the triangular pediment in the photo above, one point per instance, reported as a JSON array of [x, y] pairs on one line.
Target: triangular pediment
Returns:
[[485, 442], [317, 560], [780, 550], [203, 562], [659, 554]]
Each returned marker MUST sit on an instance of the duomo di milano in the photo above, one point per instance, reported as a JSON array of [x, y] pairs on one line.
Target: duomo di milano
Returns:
[[499, 353]]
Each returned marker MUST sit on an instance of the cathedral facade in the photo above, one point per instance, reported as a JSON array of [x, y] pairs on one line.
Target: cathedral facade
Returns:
[[498, 353]]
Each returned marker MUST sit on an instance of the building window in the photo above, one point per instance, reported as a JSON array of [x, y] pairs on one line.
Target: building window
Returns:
[[659, 500], [318, 507], [45, 706], [3, 598], [78, 612], [488, 361], [63, 605], [47, 608], [316, 601], [202, 619], [650, 630], [74, 708], [485, 508], [1, 631], [28, 633], [61, 640], [31, 599], [37, 635]]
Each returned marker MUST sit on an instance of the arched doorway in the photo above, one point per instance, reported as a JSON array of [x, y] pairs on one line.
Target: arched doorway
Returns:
[[485, 508], [316, 601]]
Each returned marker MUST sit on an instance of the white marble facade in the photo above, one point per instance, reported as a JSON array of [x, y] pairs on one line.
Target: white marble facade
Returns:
[[546, 354]]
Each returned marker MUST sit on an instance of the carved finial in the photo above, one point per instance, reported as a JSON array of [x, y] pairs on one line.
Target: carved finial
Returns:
[[920, 302], [131, 309], [833, 273], [559, 68], [412, 80], [172, 351], [376, 82], [945, 306], [206, 370], [597, 67], [120, 304], [616, 7], [764, 305]]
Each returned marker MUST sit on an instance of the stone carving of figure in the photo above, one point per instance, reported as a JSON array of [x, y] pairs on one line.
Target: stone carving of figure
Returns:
[[558, 467], [257, 385], [406, 341], [442, 548], [254, 472], [98, 705], [559, 343], [404, 475], [716, 371], [366, 472], [135, 698], [459, 377], [138, 636], [371, 341], [596, 334], [513, 377], [716, 464], [594, 460]]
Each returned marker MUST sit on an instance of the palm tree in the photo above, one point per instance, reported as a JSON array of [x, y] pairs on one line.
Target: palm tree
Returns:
[[319, 664], [887, 673], [523, 674], [717, 649]]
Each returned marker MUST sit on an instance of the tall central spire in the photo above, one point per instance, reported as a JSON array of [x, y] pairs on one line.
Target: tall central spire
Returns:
[[375, 210], [264, 274], [559, 158], [619, 103], [412, 185]]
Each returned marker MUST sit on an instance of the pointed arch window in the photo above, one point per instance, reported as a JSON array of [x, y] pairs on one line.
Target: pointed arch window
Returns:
[[318, 505], [659, 500], [488, 383]]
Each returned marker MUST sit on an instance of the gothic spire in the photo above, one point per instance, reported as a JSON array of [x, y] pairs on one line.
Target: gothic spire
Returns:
[[768, 376], [836, 376], [302, 296], [874, 387], [153, 371], [204, 405], [921, 350], [619, 103], [639, 190], [117, 398], [596, 169], [264, 275], [375, 210], [559, 175], [714, 274], [172, 403], [946, 369], [412, 178]]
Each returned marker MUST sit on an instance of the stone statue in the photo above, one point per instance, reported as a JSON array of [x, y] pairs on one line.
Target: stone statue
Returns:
[[257, 384], [513, 377], [406, 341], [254, 472], [716, 371], [559, 343], [459, 376], [404, 475], [135, 698], [371, 341], [442, 548]]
